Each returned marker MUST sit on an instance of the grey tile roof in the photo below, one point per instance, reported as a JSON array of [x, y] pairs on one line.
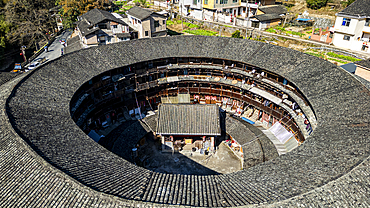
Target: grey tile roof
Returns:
[[73, 44], [187, 119], [6, 76], [47, 160], [139, 12], [358, 8], [96, 15], [275, 9], [85, 28], [265, 17]]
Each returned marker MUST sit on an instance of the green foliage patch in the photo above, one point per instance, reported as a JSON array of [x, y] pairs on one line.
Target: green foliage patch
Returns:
[[316, 4], [271, 30], [191, 25], [315, 54], [201, 32], [295, 33], [170, 22], [348, 58]]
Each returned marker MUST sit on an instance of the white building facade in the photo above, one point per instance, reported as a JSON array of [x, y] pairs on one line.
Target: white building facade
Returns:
[[352, 27]]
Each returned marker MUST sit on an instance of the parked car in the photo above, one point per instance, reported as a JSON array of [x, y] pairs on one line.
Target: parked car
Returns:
[[33, 65]]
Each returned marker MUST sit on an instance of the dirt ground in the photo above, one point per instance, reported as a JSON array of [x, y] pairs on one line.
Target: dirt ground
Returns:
[[222, 162]]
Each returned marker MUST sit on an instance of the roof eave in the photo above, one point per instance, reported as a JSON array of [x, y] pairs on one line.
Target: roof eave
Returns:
[[351, 16]]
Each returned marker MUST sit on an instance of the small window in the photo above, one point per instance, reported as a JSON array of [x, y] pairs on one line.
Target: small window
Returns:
[[216, 1], [346, 22], [367, 23], [164, 22], [255, 24], [156, 23], [114, 26], [195, 2], [235, 1], [206, 2], [346, 37], [146, 33]]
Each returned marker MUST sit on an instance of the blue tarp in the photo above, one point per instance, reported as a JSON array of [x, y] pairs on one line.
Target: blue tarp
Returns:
[[247, 120], [303, 19]]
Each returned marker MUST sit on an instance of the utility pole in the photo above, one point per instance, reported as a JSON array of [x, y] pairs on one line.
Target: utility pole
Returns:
[[23, 49], [285, 18], [182, 25]]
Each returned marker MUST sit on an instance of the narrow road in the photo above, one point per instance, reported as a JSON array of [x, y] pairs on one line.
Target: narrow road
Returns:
[[54, 48]]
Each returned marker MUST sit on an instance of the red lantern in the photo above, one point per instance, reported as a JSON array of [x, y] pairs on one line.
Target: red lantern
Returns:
[[21, 54]]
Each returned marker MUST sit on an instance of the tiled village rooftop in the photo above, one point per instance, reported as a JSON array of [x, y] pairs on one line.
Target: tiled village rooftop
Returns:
[[46, 160]]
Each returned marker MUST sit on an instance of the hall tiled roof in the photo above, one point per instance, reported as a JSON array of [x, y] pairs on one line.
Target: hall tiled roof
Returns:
[[187, 119]]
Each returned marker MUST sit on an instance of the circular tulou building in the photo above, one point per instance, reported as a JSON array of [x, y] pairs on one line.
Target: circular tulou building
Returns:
[[194, 96]]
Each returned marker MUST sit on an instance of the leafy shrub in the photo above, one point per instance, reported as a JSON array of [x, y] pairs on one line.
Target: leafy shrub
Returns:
[[280, 28], [119, 3], [236, 34], [170, 22], [191, 25], [271, 30]]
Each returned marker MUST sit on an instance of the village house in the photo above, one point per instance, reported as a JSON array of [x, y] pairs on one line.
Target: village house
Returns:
[[147, 23], [98, 27], [267, 16], [221, 10], [192, 8], [352, 27]]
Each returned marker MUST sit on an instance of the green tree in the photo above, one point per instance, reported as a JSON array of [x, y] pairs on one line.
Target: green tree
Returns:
[[71, 9], [142, 3], [4, 30], [316, 4], [30, 20], [347, 3]]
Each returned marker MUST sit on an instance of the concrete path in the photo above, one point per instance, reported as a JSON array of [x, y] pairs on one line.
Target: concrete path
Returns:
[[54, 48]]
